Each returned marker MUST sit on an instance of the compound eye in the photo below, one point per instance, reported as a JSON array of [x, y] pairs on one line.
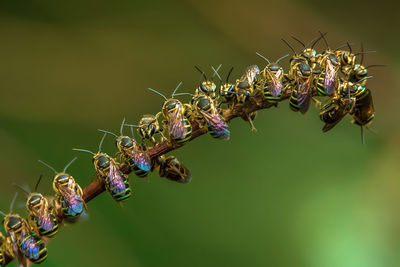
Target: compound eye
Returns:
[[170, 105], [126, 142], [203, 87], [274, 67], [103, 162]]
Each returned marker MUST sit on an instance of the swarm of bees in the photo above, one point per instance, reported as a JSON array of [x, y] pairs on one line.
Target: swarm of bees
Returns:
[[334, 74]]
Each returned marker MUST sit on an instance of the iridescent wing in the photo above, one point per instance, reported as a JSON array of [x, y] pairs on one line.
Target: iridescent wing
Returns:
[[216, 123], [44, 219], [31, 246], [330, 78], [275, 80], [141, 159], [115, 180], [251, 74], [304, 95], [176, 125], [72, 200]]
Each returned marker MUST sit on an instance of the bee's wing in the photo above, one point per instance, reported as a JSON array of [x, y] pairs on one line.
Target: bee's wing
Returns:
[[115, 181], [71, 197], [330, 78], [217, 124], [251, 73], [44, 218], [304, 95], [176, 125], [141, 159], [276, 82]]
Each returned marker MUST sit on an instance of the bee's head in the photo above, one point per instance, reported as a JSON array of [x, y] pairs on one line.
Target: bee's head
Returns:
[[304, 69], [124, 142], [34, 201], [101, 161], [13, 223]]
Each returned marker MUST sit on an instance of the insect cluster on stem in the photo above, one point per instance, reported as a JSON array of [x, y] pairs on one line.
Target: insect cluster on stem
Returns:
[[332, 74]]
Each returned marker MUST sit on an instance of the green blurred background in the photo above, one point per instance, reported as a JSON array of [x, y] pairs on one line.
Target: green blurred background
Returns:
[[287, 195]]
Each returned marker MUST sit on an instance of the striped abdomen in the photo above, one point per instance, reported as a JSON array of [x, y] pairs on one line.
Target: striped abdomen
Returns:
[[138, 171], [1, 257], [321, 84], [117, 184], [47, 226], [188, 131], [33, 248], [221, 133], [293, 101], [268, 96]]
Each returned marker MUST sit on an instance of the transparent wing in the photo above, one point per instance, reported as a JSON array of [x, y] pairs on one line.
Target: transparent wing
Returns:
[[250, 74], [330, 78], [115, 180], [304, 95], [176, 124], [275, 86], [141, 159]]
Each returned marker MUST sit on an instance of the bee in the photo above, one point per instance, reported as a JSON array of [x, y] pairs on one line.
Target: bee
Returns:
[[226, 90], [148, 127], [24, 243], [308, 53], [179, 127], [335, 110], [347, 58], [363, 112], [170, 168], [132, 153], [68, 193], [244, 86], [299, 100], [272, 76], [107, 169], [327, 79], [300, 81], [41, 216], [207, 87], [205, 108]]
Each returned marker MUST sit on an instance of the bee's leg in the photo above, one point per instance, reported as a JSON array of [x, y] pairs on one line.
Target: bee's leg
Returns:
[[318, 104], [250, 118]]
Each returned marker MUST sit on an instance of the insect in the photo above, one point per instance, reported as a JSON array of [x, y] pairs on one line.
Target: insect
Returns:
[[205, 109], [226, 90], [335, 110], [41, 216], [107, 169], [132, 153], [207, 87], [244, 86], [148, 127], [302, 87], [363, 111], [170, 168], [308, 53], [272, 76], [24, 243], [327, 79], [69, 193], [179, 127]]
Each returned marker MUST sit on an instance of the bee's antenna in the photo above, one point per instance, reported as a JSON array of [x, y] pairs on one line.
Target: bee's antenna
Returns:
[[132, 133], [229, 74], [281, 58], [298, 41], [365, 78], [83, 150], [2, 213], [219, 66], [13, 201], [21, 188], [325, 41], [283, 40], [314, 41], [216, 72], [202, 72], [371, 66], [266, 59], [101, 141], [104, 131], [184, 94], [38, 182], [69, 164], [362, 54], [157, 93], [349, 46], [176, 89], [45, 164], [122, 127]]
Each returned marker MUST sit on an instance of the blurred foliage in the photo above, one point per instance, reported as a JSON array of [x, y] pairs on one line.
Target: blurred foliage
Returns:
[[287, 195]]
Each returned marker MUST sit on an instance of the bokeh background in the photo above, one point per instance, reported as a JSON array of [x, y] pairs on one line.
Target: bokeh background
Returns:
[[287, 195]]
